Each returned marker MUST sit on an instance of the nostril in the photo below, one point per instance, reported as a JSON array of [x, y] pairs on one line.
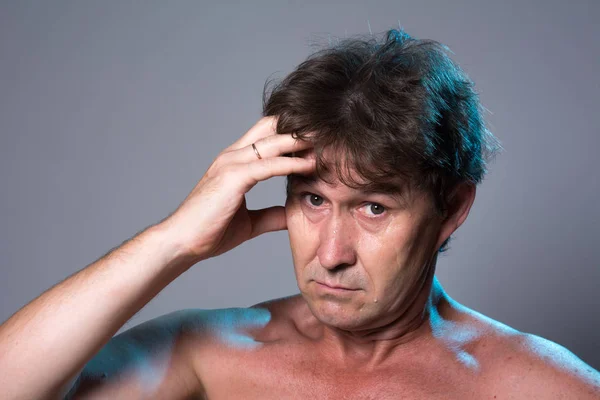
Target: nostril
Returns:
[[341, 267]]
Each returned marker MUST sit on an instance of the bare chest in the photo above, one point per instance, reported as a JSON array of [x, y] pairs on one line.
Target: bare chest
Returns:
[[284, 375]]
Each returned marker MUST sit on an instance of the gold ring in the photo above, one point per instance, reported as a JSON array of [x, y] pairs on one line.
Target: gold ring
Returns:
[[256, 152]]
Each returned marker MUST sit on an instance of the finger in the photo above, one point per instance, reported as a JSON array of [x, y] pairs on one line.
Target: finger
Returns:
[[271, 146], [266, 168], [262, 128], [267, 220]]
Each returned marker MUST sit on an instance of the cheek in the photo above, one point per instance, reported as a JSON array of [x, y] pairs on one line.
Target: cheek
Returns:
[[396, 244], [410, 255], [407, 239], [386, 258]]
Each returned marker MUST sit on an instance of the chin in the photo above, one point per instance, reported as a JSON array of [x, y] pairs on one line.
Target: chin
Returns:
[[346, 316]]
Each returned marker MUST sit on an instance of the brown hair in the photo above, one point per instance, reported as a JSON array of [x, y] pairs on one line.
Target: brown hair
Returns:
[[393, 110]]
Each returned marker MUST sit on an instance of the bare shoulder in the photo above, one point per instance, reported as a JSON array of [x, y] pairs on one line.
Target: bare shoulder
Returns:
[[148, 360], [522, 365], [289, 317], [164, 357], [215, 333], [540, 368]]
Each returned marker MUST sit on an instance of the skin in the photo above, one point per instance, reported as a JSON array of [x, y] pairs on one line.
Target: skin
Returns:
[[393, 333], [370, 322], [361, 261]]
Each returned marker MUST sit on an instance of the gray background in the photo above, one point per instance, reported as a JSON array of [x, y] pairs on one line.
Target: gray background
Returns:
[[111, 111]]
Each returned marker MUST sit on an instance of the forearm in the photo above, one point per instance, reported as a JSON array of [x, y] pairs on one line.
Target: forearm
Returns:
[[52, 337]]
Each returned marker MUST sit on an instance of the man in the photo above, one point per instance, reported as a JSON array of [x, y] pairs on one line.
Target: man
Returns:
[[383, 145]]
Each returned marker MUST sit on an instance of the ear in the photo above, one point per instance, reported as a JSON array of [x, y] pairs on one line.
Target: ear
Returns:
[[459, 205]]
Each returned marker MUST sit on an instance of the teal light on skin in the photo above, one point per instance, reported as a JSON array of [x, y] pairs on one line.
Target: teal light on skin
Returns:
[[231, 325], [145, 350], [455, 337]]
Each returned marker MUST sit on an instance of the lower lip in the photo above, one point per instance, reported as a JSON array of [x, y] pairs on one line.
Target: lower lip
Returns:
[[325, 288]]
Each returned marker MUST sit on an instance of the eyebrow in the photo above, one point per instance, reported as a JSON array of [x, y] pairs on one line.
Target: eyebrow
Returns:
[[393, 189]]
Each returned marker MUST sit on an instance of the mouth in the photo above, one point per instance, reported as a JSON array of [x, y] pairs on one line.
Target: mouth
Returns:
[[333, 287]]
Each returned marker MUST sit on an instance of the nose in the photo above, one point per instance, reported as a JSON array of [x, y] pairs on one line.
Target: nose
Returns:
[[337, 243]]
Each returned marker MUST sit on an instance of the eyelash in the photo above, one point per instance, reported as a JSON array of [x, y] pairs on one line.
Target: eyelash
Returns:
[[304, 194]]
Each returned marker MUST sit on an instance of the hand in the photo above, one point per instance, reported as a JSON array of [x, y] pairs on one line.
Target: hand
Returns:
[[213, 218]]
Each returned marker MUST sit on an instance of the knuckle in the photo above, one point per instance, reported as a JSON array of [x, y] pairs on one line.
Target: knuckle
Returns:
[[224, 159], [271, 119], [262, 144], [272, 139], [218, 168]]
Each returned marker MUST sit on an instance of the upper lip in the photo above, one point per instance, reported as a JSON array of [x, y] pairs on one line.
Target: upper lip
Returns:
[[335, 285]]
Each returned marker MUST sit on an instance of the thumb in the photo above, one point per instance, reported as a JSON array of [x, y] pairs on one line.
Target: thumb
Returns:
[[267, 220]]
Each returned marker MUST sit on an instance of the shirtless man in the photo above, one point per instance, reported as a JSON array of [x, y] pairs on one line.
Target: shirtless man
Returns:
[[371, 321]]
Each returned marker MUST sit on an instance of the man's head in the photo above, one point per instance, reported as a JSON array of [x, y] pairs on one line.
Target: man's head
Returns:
[[400, 143]]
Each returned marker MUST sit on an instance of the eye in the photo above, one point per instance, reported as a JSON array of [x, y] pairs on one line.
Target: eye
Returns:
[[314, 199], [376, 209]]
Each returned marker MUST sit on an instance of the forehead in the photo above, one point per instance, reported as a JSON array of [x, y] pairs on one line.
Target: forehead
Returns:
[[337, 174]]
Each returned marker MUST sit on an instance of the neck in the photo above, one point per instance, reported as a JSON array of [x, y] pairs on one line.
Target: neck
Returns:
[[405, 335]]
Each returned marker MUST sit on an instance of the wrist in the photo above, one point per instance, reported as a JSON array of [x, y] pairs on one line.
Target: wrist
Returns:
[[174, 253]]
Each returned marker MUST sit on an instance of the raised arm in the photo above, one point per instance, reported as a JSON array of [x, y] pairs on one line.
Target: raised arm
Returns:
[[46, 344], [49, 340]]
